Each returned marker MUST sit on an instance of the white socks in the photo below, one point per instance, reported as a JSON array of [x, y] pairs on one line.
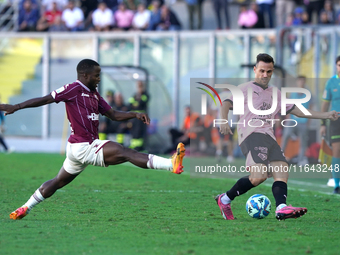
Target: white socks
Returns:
[[225, 199], [280, 206], [35, 199], [156, 162]]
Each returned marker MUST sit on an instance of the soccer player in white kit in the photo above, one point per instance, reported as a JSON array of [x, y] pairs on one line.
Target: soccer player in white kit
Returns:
[[83, 106], [258, 143]]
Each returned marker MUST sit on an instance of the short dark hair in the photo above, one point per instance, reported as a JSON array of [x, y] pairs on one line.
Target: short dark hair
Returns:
[[264, 57], [301, 77], [337, 59], [86, 66]]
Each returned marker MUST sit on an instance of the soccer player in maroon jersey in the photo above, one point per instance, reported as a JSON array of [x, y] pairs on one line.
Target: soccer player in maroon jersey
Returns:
[[83, 106]]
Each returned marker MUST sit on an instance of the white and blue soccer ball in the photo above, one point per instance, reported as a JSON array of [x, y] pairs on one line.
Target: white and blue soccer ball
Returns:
[[258, 206]]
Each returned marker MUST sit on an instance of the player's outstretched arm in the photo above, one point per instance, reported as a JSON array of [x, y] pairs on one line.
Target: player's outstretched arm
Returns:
[[332, 115], [225, 128], [34, 102], [121, 116]]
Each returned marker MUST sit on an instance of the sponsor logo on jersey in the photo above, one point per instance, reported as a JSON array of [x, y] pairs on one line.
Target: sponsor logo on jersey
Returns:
[[60, 89], [85, 95], [93, 116]]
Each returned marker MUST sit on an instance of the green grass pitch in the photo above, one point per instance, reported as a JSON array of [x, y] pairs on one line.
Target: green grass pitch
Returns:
[[126, 210]]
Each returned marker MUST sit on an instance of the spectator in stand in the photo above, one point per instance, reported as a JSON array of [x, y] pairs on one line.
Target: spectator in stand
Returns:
[[247, 17], [305, 18], [102, 18], [28, 17], [47, 5], [289, 20], [221, 6], [282, 9], [297, 20], [35, 3], [155, 17], [142, 18], [313, 6], [48, 18], [194, 6], [329, 11], [168, 21], [324, 19], [265, 7], [58, 26], [73, 17], [123, 17], [131, 4], [260, 19]]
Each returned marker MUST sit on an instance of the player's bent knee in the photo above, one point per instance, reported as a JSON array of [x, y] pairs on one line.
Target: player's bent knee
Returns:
[[257, 180]]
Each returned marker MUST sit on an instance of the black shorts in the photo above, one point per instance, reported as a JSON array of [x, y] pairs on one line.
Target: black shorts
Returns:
[[334, 129], [261, 149]]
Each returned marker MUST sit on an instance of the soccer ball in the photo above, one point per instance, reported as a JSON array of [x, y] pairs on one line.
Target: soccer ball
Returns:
[[258, 206]]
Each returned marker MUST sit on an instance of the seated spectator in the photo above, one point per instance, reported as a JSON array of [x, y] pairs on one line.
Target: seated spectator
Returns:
[[142, 18], [58, 25], [123, 17], [102, 18], [247, 17], [168, 21], [297, 19], [324, 18], [155, 17], [289, 20], [48, 18], [260, 18], [35, 3], [305, 18], [329, 11], [28, 17], [73, 17], [47, 5], [131, 4]]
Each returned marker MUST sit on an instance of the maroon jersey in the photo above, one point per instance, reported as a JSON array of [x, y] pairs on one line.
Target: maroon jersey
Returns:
[[82, 107]]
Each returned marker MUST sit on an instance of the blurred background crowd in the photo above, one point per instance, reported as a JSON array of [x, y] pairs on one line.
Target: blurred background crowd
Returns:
[[122, 15]]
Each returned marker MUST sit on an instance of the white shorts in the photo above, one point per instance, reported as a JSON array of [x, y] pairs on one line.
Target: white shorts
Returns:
[[80, 155]]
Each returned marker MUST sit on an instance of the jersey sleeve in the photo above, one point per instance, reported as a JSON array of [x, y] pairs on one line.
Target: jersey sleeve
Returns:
[[327, 93], [103, 106], [64, 93]]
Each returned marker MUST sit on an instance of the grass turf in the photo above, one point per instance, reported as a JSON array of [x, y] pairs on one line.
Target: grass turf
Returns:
[[126, 210]]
